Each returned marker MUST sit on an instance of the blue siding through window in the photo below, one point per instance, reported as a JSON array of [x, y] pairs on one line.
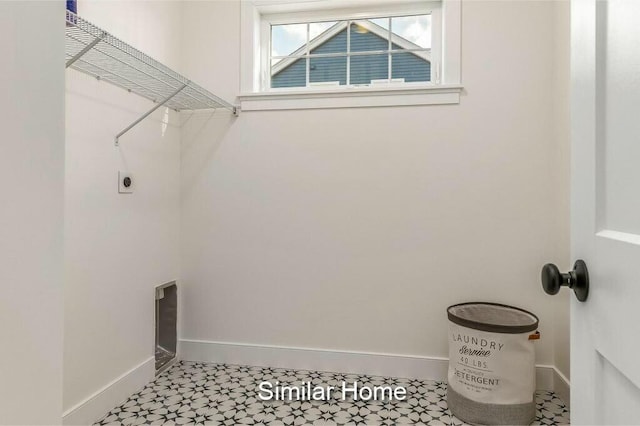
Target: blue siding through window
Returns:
[[295, 75], [363, 68], [328, 69], [337, 44], [362, 40], [369, 67]]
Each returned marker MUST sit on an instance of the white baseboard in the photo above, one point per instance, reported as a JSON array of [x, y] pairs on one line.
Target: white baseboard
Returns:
[[550, 378], [562, 386], [544, 377], [379, 364], [110, 396]]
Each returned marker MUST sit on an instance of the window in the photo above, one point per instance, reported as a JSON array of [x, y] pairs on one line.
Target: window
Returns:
[[359, 52], [329, 50]]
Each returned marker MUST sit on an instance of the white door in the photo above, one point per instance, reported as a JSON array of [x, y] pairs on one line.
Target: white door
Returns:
[[605, 175]]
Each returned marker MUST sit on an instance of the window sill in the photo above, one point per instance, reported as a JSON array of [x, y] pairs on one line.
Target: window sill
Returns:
[[361, 97]]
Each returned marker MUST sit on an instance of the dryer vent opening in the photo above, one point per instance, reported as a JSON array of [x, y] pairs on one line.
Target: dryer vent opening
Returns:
[[166, 325]]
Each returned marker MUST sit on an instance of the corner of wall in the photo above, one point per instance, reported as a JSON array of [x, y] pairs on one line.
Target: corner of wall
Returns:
[[561, 85]]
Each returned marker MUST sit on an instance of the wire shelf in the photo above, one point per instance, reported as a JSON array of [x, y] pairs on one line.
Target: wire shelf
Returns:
[[94, 51]]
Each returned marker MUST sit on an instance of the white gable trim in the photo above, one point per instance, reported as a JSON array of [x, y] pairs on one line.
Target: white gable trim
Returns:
[[316, 42]]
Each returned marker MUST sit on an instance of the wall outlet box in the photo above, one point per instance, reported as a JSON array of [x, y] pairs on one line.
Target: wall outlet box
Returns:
[[126, 183]]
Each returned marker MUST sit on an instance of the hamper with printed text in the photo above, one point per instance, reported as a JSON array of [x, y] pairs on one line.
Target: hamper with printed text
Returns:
[[491, 376]]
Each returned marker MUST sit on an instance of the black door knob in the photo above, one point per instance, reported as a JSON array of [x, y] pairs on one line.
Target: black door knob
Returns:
[[578, 279]]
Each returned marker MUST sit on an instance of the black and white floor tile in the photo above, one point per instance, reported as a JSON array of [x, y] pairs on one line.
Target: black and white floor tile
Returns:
[[218, 394]]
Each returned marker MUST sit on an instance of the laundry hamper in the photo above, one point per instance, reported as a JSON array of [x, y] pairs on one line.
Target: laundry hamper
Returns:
[[492, 364]]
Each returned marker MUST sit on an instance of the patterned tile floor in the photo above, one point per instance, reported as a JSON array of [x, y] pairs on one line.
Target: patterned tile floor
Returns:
[[219, 394]]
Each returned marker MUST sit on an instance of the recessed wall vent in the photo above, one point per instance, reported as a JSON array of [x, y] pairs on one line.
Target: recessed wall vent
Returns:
[[166, 325]]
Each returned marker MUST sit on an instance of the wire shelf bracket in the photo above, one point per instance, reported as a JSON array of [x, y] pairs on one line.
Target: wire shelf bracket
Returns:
[[148, 113], [96, 52]]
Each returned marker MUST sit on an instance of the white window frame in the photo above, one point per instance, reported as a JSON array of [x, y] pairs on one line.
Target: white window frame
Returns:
[[425, 8], [258, 15]]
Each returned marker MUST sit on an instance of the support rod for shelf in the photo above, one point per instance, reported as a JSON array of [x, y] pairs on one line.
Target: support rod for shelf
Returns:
[[87, 48], [158, 105]]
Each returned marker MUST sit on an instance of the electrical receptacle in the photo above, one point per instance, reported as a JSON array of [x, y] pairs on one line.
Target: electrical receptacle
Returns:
[[126, 183]]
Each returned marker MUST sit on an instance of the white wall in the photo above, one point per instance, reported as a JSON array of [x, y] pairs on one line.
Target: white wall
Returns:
[[355, 229], [118, 247], [31, 212]]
